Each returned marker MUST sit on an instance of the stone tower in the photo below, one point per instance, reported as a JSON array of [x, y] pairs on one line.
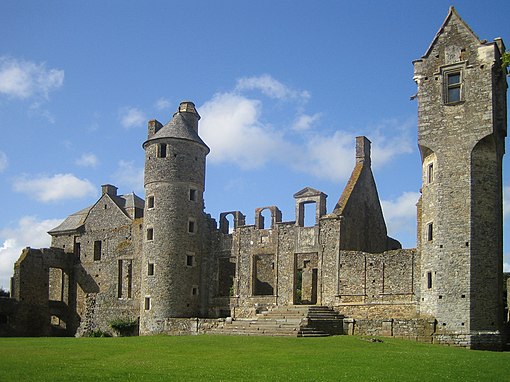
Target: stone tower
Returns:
[[461, 132], [173, 219]]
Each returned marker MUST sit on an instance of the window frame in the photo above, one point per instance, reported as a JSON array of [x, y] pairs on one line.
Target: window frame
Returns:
[[447, 73]]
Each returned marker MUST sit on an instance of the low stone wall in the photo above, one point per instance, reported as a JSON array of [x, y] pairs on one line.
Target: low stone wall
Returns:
[[192, 326], [418, 329]]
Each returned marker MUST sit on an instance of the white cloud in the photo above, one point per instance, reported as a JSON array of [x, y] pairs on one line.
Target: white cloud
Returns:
[[87, 160], [326, 157], [237, 131], [232, 128], [24, 79], [506, 202], [305, 121], [271, 88], [163, 104], [131, 117], [3, 161], [54, 188], [400, 214], [29, 232], [129, 176]]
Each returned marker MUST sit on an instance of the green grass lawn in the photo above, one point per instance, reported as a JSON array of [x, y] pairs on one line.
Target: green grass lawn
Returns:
[[236, 358]]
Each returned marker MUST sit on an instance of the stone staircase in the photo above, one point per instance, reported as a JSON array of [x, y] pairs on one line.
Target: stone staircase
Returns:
[[293, 321]]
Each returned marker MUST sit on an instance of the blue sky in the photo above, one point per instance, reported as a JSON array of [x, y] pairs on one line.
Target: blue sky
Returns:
[[283, 88]]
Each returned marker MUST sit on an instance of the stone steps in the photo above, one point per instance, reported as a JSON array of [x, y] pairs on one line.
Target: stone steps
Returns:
[[295, 321]]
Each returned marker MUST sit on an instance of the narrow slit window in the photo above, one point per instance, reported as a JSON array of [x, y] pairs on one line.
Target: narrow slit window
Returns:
[[150, 202], [429, 280], [150, 233], [147, 303], [193, 195], [150, 269], [430, 232], [97, 250], [430, 173], [190, 260], [191, 226]]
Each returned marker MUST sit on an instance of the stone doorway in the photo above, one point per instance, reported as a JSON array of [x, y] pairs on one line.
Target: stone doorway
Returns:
[[305, 279]]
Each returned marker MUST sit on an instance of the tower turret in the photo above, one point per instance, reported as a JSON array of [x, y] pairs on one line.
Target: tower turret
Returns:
[[173, 221], [461, 131]]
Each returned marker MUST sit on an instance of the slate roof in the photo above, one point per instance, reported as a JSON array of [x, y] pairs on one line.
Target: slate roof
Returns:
[[75, 221]]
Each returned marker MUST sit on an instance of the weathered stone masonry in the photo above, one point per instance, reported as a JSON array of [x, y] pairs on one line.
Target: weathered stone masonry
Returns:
[[165, 263]]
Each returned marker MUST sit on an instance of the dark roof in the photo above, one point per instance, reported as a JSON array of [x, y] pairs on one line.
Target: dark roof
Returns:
[[72, 222]]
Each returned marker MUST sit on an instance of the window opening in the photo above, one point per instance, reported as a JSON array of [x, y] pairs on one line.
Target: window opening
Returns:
[[162, 150], [453, 87], [150, 233], [430, 173], [150, 269], [150, 202], [309, 210], [97, 250], [266, 217], [119, 279], [147, 303], [429, 280], [193, 195], [430, 232], [194, 291], [191, 226], [190, 260]]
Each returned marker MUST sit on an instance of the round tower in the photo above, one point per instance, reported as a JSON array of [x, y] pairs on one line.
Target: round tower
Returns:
[[173, 219]]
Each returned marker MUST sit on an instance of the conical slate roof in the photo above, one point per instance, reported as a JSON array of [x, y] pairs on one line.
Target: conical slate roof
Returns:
[[183, 125]]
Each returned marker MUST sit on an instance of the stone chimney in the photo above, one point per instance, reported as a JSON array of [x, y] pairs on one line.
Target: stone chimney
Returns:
[[109, 190], [363, 150], [153, 127]]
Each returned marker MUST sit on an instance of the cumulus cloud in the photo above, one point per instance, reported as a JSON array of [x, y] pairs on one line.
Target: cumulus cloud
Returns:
[[237, 130], [129, 176], [131, 117], [3, 161], [163, 104], [23, 79], [87, 160], [231, 126], [54, 188], [305, 121], [400, 214], [29, 231], [271, 87]]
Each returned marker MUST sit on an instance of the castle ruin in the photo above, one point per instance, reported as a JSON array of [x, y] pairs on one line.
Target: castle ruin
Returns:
[[172, 268]]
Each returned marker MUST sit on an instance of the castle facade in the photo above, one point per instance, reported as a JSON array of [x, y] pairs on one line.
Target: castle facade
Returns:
[[166, 264]]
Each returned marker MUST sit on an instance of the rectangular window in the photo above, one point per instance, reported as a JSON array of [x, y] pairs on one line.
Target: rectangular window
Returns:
[[430, 232], [191, 226], [119, 279], [150, 233], [190, 260], [147, 304], [150, 202], [429, 280], [150, 269], [162, 150], [193, 195], [453, 87], [97, 250], [194, 291], [430, 173]]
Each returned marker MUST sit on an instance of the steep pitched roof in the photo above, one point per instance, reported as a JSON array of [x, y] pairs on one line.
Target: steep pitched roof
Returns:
[[452, 16]]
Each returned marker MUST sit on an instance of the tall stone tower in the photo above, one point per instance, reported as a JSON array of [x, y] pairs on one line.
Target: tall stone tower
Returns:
[[461, 132], [173, 219]]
